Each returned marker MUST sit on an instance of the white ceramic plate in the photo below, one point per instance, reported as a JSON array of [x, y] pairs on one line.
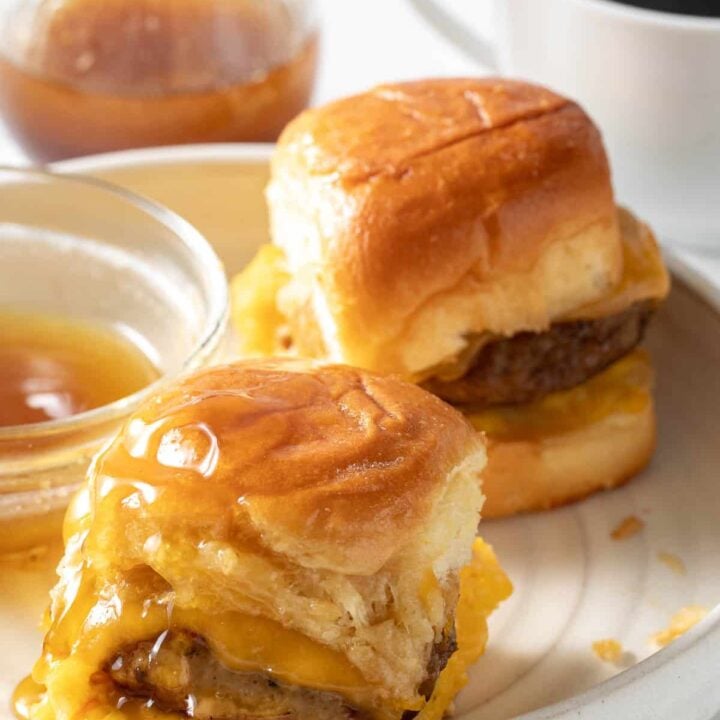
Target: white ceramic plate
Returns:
[[574, 584]]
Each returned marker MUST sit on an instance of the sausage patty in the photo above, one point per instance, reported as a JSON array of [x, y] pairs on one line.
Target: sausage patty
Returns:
[[529, 365], [179, 674]]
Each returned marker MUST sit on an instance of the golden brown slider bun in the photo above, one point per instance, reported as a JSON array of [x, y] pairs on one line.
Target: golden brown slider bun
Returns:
[[417, 214], [463, 234], [274, 539], [569, 444], [334, 467]]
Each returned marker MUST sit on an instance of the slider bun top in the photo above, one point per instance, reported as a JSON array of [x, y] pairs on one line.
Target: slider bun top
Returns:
[[331, 467], [417, 213]]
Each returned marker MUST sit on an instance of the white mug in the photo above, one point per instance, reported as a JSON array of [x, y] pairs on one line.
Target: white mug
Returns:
[[651, 81]]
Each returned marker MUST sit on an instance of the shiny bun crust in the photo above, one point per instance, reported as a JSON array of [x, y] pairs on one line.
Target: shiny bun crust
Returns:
[[332, 466], [416, 213], [321, 497]]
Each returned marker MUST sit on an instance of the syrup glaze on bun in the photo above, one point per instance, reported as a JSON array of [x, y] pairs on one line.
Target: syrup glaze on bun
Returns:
[[274, 539]]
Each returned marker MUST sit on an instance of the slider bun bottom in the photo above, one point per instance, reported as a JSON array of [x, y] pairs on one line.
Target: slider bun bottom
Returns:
[[543, 471], [525, 476]]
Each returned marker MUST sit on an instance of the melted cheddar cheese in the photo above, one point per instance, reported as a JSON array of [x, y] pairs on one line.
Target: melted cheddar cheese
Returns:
[[95, 622], [483, 586], [254, 292], [644, 273], [98, 625], [624, 387]]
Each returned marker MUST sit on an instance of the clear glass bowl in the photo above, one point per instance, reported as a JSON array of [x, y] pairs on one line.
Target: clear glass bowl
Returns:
[[79, 77], [88, 250]]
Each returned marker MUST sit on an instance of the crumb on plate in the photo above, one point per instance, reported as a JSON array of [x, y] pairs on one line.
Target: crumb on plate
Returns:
[[674, 562], [608, 650], [629, 526], [680, 623]]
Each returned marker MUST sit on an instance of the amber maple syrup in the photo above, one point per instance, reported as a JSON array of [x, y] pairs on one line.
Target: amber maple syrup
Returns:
[[54, 367]]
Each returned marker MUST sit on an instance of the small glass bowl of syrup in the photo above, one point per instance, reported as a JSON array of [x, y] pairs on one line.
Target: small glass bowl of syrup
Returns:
[[103, 295]]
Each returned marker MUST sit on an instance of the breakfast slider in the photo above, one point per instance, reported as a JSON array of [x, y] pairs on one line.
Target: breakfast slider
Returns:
[[463, 234], [273, 539]]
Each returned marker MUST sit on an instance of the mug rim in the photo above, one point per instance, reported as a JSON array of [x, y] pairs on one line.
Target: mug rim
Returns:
[[657, 18]]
